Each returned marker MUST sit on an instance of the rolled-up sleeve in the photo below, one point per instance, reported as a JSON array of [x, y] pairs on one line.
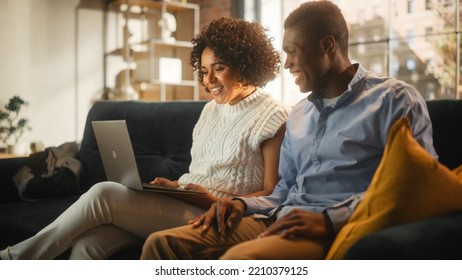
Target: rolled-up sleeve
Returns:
[[340, 213]]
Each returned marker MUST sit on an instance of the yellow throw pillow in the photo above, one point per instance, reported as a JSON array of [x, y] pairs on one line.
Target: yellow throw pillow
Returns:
[[409, 185], [458, 172]]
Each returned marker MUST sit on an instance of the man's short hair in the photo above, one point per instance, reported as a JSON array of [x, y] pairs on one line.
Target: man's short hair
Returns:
[[318, 19]]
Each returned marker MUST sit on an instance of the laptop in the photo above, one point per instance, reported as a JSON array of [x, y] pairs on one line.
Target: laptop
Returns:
[[118, 158]]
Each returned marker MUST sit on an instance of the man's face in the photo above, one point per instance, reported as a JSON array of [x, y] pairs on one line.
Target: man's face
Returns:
[[305, 60]]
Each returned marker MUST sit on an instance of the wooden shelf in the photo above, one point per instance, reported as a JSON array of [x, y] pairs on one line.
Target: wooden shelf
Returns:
[[2, 156], [184, 83], [143, 56], [157, 42], [157, 5]]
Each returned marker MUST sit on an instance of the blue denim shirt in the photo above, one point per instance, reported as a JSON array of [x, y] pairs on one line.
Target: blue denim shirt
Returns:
[[329, 154]]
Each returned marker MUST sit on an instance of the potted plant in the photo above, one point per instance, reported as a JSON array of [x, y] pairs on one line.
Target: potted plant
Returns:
[[12, 126]]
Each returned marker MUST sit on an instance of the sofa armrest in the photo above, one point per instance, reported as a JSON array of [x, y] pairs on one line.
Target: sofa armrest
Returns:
[[437, 238], [9, 167]]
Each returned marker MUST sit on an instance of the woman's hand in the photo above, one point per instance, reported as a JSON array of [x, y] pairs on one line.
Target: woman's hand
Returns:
[[199, 188], [196, 188], [300, 223], [165, 182], [201, 200], [227, 213]]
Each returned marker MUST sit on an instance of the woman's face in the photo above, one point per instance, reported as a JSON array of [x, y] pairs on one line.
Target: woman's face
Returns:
[[219, 79]]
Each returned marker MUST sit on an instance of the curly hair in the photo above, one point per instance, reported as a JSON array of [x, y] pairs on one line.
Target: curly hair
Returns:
[[243, 46]]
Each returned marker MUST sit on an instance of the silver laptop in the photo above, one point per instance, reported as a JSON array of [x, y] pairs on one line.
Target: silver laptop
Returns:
[[118, 158]]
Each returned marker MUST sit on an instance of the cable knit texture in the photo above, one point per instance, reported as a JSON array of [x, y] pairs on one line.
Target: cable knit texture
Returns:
[[226, 154]]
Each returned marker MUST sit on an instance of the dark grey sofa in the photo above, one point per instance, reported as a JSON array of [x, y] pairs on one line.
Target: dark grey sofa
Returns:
[[161, 136]]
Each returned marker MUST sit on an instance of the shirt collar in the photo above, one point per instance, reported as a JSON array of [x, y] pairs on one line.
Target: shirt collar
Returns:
[[316, 97]]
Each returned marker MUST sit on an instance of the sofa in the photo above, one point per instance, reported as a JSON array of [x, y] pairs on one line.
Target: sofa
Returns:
[[161, 139], [413, 210], [161, 136]]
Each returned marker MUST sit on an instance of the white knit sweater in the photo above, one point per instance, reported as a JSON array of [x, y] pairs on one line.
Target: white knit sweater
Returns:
[[226, 154]]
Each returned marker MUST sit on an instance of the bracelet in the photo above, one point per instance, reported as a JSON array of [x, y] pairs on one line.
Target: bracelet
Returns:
[[241, 200]]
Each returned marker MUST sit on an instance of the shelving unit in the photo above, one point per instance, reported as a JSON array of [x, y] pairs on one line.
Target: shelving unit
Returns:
[[138, 38]]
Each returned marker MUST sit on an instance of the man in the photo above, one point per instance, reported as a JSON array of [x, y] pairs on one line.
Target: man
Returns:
[[333, 144]]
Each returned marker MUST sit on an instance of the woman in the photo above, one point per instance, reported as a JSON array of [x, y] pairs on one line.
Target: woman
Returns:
[[235, 152]]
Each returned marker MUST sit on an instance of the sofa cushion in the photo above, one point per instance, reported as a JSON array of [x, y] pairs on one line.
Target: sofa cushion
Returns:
[[19, 221], [160, 132], [8, 190], [436, 238], [409, 185], [446, 116]]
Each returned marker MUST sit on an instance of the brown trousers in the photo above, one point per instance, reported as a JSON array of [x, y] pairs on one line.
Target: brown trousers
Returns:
[[241, 243]]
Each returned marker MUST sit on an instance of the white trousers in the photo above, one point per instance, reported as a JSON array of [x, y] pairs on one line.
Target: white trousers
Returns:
[[105, 219]]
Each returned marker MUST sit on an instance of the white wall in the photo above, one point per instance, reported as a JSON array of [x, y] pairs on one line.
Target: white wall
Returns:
[[51, 54]]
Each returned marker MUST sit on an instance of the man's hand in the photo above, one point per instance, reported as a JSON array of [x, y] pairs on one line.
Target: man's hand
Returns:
[[300, 223], [227, 214]]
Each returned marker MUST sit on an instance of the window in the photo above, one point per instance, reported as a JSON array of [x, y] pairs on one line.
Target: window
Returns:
[[410, 6], [360, 15], [428, 34], [411, 64], [390, 42], [376, 8], [428, 4], [410, 36]]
